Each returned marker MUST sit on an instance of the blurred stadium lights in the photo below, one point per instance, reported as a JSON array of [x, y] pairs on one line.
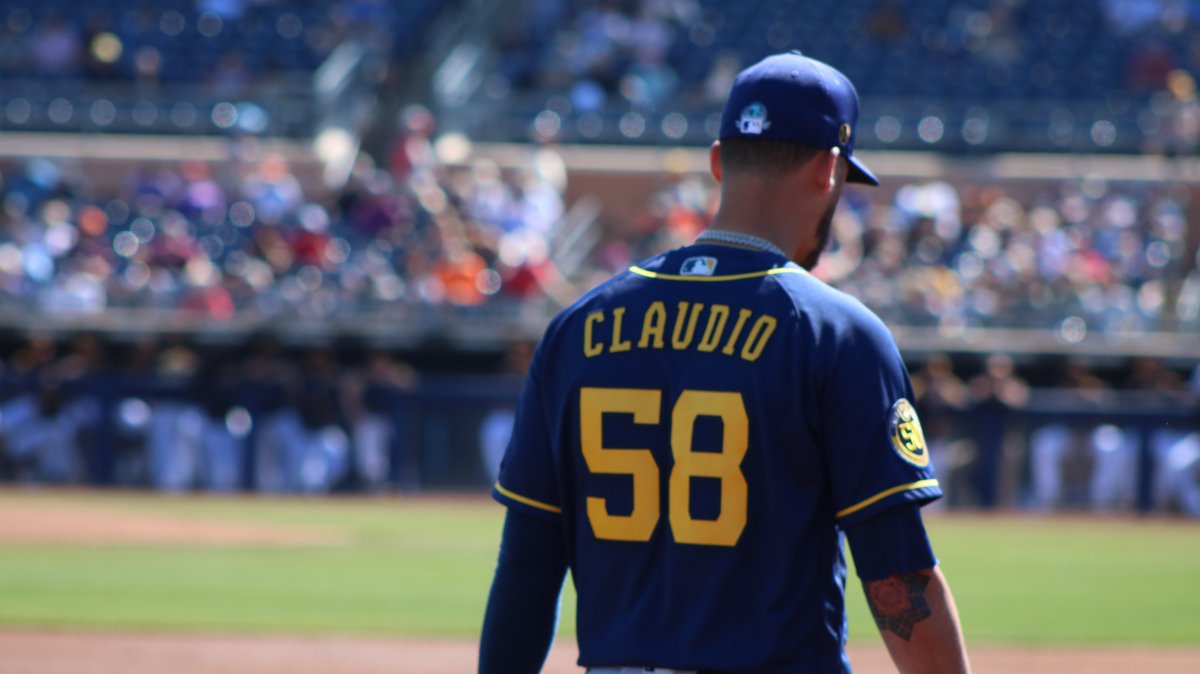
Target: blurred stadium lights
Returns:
[[57, 107], [345, 96], [457, 78], [1023, 126]]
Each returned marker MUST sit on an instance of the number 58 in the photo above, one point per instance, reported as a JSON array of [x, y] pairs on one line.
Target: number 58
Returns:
[[646, 405]]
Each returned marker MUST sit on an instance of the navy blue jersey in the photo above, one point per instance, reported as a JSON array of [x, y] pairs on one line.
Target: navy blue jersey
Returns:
[[700, 425]]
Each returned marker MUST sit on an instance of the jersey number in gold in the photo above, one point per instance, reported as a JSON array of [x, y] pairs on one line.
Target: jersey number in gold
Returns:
[[646, 406]]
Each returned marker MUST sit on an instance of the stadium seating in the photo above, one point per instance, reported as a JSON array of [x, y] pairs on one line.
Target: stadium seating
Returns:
[[177, 66], [951, 75]]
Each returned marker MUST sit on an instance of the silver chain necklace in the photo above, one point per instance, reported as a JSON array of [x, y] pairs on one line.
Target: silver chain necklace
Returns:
[[739, 239]]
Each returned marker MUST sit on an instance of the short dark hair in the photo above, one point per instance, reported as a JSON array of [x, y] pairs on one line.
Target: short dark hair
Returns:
[[749, 155]]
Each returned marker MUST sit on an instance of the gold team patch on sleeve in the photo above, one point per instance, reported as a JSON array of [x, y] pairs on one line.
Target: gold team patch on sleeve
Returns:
[[907, 437]]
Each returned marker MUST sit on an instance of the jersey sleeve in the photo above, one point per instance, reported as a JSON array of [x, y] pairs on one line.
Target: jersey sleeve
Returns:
[[527, 476], [871, 436]]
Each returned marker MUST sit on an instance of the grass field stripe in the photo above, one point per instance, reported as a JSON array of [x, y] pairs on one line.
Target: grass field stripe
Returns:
[[919, 484], [731, 277], [528, 501]]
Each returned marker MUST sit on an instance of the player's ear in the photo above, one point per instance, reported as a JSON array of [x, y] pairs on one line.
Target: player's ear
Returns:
[[827, 169], [714, 160]]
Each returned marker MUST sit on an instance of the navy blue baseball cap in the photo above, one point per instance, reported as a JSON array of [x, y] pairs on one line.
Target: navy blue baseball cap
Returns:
[[793, 97]]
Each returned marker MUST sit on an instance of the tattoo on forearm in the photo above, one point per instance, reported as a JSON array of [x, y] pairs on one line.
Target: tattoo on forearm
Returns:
[[898, 602]]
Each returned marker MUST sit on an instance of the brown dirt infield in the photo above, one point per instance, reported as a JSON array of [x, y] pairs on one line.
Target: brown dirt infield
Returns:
[[42, 652], [80, 527], [47, 522]]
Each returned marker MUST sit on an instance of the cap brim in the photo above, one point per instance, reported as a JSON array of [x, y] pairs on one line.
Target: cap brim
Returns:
[[860, 174]]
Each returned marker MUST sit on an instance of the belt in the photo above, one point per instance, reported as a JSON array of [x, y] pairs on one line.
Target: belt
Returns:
[[639, 670]]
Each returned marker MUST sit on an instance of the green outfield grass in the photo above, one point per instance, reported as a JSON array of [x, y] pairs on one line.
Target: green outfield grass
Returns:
[[423, 566]]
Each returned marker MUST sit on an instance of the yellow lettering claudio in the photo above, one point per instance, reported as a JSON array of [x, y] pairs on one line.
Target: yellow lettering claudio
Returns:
[[756, 341], [718, 314], [743, 316], [685, 325], [619, 345], [654, 324], [591, 347]]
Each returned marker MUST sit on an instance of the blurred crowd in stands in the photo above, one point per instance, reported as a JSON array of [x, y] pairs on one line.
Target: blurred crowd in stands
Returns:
[[684, 53], [1078, 257], [1073, 256], [213, 243], [643, 51], [951, 74], [231, 46]]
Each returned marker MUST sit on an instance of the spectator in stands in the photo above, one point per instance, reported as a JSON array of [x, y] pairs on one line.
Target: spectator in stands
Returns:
[[56, 47], [1188, 302], [719, 80], [231, 77], [412, 149], [888, 22], [13, 52], [1128, 17], [227, 10], [272, 190], [461, 274], [1149, 67], [1181, 122]]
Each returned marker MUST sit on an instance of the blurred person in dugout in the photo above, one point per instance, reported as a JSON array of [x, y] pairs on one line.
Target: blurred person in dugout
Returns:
[[46, 429], [370, 398], [496, 428], [995, 394], [1078, 462], [226, 425], [1175, 451], [941, 399], [302, 447], [176, 423]]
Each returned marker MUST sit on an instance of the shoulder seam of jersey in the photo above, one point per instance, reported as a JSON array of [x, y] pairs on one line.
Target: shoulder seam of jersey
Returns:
[[729, 277], [919, 484], [528, 501]]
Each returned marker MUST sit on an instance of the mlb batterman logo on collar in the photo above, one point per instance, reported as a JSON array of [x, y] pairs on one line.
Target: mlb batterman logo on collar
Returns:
[[793, 97], [698, 266]]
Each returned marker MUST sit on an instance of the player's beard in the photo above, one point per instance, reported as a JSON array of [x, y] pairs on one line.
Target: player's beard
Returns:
[[824, 229]]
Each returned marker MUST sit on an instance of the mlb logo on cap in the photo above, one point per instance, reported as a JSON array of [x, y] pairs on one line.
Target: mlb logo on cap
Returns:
[[754, 119]]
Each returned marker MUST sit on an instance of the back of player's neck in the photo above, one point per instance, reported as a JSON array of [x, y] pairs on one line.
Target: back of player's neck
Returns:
[[749, 224]]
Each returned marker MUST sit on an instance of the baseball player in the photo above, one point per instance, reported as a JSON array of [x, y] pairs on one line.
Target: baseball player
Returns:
[[697, 434]]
